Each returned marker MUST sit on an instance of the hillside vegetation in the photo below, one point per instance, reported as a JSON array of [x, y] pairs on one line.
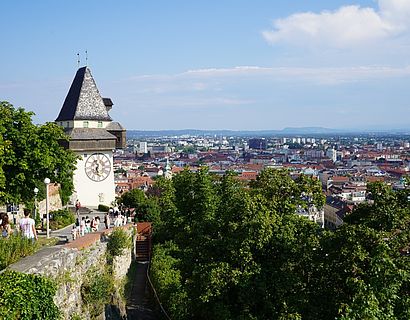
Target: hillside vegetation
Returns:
[[224, 250]]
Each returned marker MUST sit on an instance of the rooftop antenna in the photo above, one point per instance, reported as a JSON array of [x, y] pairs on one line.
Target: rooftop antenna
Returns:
[[78, 60], [86, 58]]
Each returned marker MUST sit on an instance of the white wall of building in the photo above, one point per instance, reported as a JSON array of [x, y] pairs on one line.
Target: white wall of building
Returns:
[[92, 193], [143, 147], [84, 124]]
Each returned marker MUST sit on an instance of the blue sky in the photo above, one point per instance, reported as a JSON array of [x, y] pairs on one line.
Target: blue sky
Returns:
[[226, 64]]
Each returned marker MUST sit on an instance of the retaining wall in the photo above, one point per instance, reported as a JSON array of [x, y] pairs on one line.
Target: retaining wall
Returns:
[[70, 265]]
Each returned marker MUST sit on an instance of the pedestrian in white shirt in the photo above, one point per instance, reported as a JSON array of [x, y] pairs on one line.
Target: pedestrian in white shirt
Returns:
[[82, 226], [28, 226]]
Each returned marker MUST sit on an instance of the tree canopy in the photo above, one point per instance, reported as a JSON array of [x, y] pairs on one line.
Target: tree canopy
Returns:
[[30, 153], [228, 251]]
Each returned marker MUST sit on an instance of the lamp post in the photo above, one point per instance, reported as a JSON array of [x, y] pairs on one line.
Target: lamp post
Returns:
[[35, 202], [47, 182]]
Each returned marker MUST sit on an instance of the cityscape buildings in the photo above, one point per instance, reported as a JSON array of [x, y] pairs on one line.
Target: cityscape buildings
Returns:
[[344, 164]]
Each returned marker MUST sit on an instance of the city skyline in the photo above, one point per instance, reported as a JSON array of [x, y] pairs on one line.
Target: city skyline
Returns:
[[223, 65]]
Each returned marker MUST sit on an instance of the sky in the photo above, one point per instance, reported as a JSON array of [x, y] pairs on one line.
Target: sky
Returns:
[[214, 64]]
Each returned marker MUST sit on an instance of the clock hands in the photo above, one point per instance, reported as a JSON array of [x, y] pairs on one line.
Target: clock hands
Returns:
[[97, 167]]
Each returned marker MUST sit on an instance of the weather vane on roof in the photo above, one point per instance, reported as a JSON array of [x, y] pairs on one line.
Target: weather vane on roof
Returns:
[[78, 60], [86, 58]]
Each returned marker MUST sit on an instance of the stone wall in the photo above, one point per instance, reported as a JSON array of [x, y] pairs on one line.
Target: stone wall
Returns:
[[71, 264], [54, 199]]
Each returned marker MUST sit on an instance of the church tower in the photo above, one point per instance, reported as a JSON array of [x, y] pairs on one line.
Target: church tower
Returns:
[[93, 137]]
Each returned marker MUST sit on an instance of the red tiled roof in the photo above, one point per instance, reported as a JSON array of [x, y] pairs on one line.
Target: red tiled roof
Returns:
[[340, 179]]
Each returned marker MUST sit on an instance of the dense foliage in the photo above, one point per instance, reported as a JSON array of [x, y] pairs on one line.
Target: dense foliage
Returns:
[[30, 153], [27, 297], [96, 291], [61, 218], [14, 248], [146, 208], [229, 251], [118, 240], [103, 208]]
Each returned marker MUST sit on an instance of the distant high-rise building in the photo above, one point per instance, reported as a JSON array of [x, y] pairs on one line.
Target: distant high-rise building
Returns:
[[332, 154], [143, 147], [257, 143]]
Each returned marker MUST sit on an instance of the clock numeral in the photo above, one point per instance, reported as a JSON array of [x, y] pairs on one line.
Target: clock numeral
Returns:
[[98, 167]]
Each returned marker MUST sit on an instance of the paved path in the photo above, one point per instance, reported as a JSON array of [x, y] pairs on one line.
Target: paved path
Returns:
[[65, 234], [139, 305]]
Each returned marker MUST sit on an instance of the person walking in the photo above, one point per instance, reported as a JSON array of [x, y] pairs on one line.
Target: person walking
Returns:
[[28, 226], [82, 226], [5, 227], [107, 220], [94, 224], [87, 224], [77, 207], [97, 223]]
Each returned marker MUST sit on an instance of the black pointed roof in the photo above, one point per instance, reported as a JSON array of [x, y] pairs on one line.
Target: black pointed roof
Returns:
[[83, 101]]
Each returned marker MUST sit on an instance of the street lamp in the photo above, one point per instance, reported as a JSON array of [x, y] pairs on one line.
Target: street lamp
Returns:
[[35, 202], [47, 182]]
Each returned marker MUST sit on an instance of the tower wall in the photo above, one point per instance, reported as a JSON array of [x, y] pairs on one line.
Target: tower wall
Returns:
[[92, 193]]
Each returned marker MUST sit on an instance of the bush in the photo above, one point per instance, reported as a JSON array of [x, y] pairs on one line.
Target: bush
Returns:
[[14, 248], [103, 208], [118, 240], [97, 290], [167, 280], [61, 218], [27, 297]]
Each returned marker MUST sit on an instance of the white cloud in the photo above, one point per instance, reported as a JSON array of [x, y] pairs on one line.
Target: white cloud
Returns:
[[346, 27], [204, 79]]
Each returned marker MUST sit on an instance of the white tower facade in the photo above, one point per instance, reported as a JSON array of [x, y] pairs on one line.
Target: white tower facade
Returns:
[[93, 137]]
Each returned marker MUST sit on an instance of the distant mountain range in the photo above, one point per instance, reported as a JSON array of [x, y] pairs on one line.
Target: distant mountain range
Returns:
[[257, 133], [196, 132]]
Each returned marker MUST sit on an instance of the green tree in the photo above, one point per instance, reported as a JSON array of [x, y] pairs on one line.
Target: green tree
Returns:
[[359, 275], [134, 198], [170, 221], [285, 194], [30, 154], [146, 208], [243, 253], [388, 210]]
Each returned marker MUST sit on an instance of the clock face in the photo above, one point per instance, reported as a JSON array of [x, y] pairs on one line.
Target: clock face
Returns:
[[97, 167]]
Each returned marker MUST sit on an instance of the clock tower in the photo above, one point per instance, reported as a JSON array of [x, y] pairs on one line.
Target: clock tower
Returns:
[[93, 137]]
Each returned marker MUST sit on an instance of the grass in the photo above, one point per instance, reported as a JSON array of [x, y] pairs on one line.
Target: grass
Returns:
[[16, 247]]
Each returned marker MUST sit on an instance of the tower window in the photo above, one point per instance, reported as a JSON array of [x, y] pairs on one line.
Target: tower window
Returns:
[[99, 124], [85, 124]]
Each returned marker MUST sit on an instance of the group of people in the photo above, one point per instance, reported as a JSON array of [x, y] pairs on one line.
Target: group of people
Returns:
[[81, 227], [119, 216], [27, 226], [85, 225]]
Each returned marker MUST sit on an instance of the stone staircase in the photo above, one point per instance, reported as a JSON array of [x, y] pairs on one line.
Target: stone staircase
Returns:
[[140, 304], [143, 247], [83, 210]]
